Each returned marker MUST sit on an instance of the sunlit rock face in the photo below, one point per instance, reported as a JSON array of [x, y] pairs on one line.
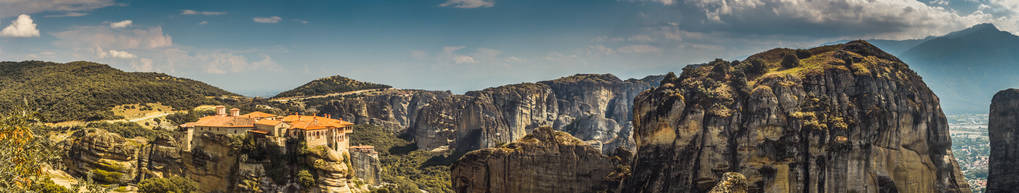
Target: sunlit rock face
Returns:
[[846, 118], [544, 161], [1003, 130], [593, 107]]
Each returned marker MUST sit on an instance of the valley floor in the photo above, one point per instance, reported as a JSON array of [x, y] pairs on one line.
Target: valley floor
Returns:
[[971, 147]]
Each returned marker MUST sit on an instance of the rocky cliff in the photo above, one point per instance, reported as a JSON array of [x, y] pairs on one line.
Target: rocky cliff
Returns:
[[218, 163], [1003, 173], [840, 118], [594, 107], [366, 164], [107, 157], [543, 161], [393, 108]]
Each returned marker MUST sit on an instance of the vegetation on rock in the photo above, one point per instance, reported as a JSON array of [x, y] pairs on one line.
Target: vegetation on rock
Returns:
[[327, 85], [175, 184], [87, 91], [405, 167]]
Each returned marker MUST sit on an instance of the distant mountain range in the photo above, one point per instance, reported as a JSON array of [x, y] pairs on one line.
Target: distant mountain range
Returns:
[[964, 68]]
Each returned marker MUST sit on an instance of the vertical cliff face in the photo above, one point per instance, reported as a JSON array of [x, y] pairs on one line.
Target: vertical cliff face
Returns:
[[544, 161], [486, 118], [1003, 130], [366, 165], [393, 109], [598, 107], [594, 107], [841, 118], [109, 157]]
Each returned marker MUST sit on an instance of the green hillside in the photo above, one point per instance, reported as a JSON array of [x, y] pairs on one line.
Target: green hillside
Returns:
[[87, 91], [327, 85]]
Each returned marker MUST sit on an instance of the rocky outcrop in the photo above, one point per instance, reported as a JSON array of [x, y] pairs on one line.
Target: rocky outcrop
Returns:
[[598, 107], [1003, 130], [212, 163], [486, 118], [107, 157], [544, 161], [393, 109], [333, 170], [848, 118], [366, 164], [594, 107]]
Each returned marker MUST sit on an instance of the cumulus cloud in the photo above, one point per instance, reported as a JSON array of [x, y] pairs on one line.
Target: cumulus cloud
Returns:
[[115, 54], [272, 19], [22, 27], [461, 59], [9, 8], [120, 24], [226, 62], [193, 12], [831, 18], [91, 36], [468, 4]]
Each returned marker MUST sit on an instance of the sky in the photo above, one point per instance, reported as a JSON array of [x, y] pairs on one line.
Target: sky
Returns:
[[259, 48]]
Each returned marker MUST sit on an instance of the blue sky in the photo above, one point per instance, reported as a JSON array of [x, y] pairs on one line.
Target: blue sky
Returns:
[[262, 47]]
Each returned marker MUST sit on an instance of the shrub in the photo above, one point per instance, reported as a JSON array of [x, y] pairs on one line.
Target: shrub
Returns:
[[802, 54], [790, 61], [175, 184], [129, 129], [305, 179], [756, 68]]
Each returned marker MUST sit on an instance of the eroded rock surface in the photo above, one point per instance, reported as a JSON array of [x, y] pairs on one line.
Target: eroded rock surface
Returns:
[[108, 157], [544, 161], [593, 107], [848, 118], [1003, 130]]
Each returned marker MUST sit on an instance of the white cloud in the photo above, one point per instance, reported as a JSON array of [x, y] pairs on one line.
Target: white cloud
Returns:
[[203, 22], [121, 54], [222, 62], [68, 14], [301, 21], [273, 19], [461, 59], [91, 36], [120, 24], [468, 4], [193, 12], [877, 18], [22, 27], [10, 8], [639, 49]]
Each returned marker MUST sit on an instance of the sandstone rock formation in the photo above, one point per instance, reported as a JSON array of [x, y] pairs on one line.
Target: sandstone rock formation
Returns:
[[594, 107], [366, 163], [215, 163], [850, 118], [109, 157], [544, 161], [1003, 130], [393, 109]]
